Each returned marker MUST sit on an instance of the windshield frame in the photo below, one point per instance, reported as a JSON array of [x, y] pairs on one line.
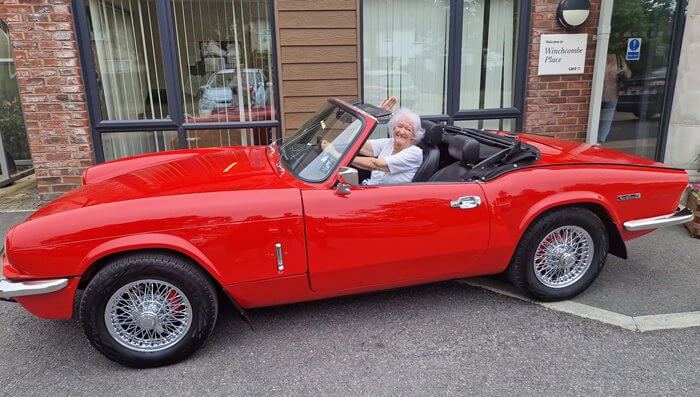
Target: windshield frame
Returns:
[[368, 123]]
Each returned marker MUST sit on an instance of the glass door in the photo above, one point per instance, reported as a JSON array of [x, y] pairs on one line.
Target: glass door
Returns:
[[637, 67]]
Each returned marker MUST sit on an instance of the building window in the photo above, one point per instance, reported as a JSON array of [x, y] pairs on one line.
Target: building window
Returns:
[[224, 48], [489, 41], [405, 53], [448, 59], [128, 61], [15, 158], [158, 72], [122, 144], [495, 124], [226, 137]]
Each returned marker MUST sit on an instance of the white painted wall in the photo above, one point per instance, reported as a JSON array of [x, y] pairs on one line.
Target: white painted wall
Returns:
[[683, 146]]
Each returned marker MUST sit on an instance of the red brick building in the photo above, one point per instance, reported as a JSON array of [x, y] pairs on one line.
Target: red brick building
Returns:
[[103, 79]]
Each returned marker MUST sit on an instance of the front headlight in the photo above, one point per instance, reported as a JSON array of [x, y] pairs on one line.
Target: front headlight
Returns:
[[206, 104]]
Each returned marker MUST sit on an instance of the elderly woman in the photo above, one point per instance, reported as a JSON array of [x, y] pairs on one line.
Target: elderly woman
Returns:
[[396, 159]]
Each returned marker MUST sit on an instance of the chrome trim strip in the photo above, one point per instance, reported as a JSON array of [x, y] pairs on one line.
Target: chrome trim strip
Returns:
[[12, 289], [682, 215]]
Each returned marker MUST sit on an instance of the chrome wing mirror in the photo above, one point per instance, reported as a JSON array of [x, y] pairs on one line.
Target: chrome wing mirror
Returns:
[[346, 177]]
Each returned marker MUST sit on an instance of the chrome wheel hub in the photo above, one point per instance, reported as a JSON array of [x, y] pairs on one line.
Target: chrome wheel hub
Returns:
[[148, 315], [147, 321], [563, 256]]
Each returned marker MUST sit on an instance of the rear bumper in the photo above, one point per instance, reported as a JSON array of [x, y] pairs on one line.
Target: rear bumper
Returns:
[[682, 215], [14, 289]]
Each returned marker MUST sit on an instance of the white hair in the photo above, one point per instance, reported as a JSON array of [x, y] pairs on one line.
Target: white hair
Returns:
[[418, 131]]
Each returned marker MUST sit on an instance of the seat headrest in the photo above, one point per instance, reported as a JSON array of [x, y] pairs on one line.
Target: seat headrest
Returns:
[[470, 152], [464, 149], [433, 133]]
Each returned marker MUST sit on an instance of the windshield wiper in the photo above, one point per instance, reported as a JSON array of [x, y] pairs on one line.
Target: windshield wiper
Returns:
[[274, 143], [283, 153]]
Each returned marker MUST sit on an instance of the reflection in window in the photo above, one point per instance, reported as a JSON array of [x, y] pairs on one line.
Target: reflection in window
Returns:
[[14, 136], [405, 53], [230, 137], [494, 124], [489, 40], [225, 53], [405, 49], [128, 60], [123, 144], [634, 90]]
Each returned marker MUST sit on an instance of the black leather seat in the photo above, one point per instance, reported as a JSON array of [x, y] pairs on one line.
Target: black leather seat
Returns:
[[463, 149], [431, 152]]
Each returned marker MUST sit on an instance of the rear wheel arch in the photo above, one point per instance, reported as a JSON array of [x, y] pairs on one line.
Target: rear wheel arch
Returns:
[[617, 245], [560, 267]]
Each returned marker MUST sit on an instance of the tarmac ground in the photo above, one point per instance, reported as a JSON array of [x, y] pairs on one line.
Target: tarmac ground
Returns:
[[444, 338]]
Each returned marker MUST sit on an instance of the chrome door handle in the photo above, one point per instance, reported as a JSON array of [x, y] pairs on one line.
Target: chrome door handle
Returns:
[[466, 202], [280, 260]]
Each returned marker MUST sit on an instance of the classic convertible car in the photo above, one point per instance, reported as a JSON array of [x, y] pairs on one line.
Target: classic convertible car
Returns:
[[145, 249]]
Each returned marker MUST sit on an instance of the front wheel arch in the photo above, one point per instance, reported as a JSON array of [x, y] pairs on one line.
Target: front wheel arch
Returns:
[[100, 262], [96, 258], [106, 311]]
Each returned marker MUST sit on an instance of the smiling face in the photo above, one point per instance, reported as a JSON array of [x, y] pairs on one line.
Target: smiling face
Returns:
[[403, 132]]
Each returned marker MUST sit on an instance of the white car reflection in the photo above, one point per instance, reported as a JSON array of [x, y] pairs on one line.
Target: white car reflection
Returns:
[[221, 90], [380, 84]]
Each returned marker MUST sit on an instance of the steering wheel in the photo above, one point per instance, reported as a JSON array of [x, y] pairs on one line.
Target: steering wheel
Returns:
[[319, 144]]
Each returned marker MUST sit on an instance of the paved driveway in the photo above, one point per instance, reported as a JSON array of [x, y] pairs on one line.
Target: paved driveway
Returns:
[[436, 339], [661, 275]]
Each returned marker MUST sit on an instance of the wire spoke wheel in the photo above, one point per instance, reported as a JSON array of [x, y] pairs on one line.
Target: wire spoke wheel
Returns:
[[563, 256], [148, 315]]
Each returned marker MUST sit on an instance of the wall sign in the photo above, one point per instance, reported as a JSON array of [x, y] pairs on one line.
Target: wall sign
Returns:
[[562, 53], [634, 46]]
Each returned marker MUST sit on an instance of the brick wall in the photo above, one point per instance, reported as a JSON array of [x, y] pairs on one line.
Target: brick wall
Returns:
[[558, 105], [51, 91]]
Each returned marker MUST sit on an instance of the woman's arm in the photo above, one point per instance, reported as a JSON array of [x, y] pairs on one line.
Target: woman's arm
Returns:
[[366, 149], [328, 147], [387, 104], [370, 164]]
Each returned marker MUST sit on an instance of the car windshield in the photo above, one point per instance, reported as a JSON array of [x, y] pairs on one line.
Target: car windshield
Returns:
[[314, 152], [222, 80]]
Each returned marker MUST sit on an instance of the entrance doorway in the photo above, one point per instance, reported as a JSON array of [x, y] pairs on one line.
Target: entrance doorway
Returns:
[[15, 158], [638, 73]]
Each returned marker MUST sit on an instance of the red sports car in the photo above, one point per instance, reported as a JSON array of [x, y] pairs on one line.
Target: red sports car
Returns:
[[147, 247]]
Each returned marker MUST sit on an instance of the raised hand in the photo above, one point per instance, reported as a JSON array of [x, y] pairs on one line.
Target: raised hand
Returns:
[[388, 103]]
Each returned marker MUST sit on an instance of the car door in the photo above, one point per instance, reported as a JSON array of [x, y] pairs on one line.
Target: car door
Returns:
[[394, 235]]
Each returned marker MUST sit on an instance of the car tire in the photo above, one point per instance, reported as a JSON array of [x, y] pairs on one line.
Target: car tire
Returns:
[[560, 254], [148, 309]]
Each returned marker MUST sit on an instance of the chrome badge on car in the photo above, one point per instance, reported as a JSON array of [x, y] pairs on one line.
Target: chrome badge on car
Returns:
[[631, 196]]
